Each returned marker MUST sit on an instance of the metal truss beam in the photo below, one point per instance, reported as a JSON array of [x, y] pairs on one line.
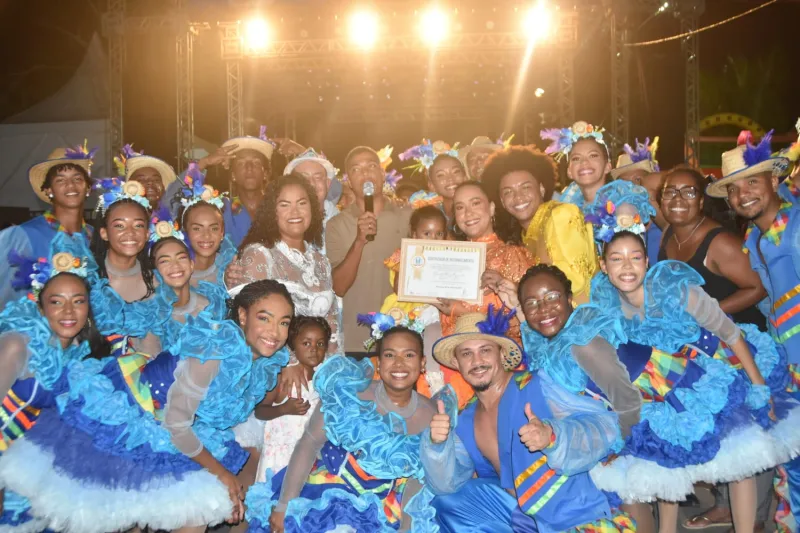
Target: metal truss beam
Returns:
[[112, 27], [184, 92], [691, 50], [233, 77], [566, 86], [620, 80], [383, 115]]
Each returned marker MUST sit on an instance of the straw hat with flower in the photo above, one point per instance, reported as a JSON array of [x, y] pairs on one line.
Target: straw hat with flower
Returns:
[[642, 158], [482, 142], [79, 155], [747, 160], [473, 326], [261, 144], [129, 161]]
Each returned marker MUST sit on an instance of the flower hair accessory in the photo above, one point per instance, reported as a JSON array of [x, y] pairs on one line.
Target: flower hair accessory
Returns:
[[385, 156], [113, 190], [426, 153], [380, 323], [197, 190], [563, 139], [32, 274], [607, 215], [423, 199], [643, 152], [505, 143], [162, 227]]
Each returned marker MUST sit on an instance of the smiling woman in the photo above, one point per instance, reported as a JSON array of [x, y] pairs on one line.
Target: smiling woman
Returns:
[[284, 244]]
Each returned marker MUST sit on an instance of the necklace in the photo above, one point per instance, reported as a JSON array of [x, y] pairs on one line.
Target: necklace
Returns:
[[681, 243]]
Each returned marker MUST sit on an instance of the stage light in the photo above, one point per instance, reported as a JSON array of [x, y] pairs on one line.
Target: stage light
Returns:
[[434, 26], [537, 22], [538, 92], [364, 29], [256, 36]]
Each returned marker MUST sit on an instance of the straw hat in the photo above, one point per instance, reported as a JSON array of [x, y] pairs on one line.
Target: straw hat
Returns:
[[311, 155], [134, 163], [481, 141], [625, 164], [38, 172], [260, 144], [642, 156], [744, 161], [467, 329]]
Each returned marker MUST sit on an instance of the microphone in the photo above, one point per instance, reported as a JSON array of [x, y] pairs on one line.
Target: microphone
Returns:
[[369, 189]]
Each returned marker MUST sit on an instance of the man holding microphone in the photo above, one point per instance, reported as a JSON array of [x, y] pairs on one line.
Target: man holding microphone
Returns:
[[358, 240]]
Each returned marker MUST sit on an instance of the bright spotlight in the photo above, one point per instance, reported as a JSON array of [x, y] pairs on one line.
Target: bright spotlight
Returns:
[[538, 92], [537, 22], [364, 29], [256, 36], [434, 26]]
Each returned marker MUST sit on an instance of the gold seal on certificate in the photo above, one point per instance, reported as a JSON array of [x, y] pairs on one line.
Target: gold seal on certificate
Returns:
[[430, 270]]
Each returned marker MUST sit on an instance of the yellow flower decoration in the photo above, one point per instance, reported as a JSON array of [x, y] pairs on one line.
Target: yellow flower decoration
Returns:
[[208, 193], [440, 147], [133, 188], [163, 229], [64, 261], [580, 128]]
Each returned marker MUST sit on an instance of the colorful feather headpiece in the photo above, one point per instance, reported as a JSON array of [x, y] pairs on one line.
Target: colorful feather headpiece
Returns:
[[563, 139], [121, 159], [196, 190], [755, 153], [603, 212], [423, 199], [81, 151], [162, 226], [385, 156], [426, 153], [70, 254], [113, 190], [380, 324], [505, 143]]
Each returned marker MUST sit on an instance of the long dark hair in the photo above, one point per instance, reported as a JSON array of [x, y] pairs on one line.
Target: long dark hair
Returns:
[[264, 229], [99, 345], [253, 292], [100, 247], [482, 186], [517, 158]]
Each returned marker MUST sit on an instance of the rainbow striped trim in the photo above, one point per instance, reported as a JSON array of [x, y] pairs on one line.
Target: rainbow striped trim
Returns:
[[16, 417], [775, 232]]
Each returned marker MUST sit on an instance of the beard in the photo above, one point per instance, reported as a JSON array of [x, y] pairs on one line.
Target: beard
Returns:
[[481, 387]]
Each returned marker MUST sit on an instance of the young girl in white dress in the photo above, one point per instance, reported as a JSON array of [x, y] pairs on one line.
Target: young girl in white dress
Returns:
[[285, 416]]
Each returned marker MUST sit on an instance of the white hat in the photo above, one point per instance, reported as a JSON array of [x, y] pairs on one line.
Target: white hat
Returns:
[[746, 160], [481, 142], [134, 163], [260, 144], [311, 155]]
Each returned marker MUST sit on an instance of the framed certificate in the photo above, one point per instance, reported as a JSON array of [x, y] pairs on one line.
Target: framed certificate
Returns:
[[440, 269]]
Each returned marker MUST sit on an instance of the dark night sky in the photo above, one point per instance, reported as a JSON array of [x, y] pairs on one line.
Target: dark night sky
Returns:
[[43, 42]]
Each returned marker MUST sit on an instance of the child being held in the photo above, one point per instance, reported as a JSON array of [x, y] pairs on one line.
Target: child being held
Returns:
[[285, 417], [427, 222]]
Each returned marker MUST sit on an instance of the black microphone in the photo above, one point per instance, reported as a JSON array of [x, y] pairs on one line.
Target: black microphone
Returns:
[[369, 206]]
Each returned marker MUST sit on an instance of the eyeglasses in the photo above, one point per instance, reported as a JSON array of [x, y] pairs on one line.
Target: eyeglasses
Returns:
[[687, 193], [551, 298]]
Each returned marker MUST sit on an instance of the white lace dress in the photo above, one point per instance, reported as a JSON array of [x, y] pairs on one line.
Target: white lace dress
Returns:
[[307, 276]]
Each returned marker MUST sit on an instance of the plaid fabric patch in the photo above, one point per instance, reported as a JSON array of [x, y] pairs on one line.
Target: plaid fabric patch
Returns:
[[131, 366], [522, 379], [660, 374], [15, 419], [775, 232]]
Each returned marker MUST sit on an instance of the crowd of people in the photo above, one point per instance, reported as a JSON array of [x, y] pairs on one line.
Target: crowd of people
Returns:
[[194, 358]]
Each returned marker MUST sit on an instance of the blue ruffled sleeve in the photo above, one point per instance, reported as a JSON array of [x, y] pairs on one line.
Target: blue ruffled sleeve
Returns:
[[46, 356], [585, 431], [217, 296], [387, 451], [113, 315], [226, 253]]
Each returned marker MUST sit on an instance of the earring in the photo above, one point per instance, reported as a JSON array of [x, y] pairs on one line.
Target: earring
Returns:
[[492, 220], [51, 196]]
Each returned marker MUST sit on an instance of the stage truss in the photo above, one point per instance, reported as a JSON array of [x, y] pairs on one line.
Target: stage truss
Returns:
[[462, 51]]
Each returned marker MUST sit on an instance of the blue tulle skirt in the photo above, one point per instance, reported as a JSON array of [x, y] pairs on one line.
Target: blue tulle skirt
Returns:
[[87, 473]]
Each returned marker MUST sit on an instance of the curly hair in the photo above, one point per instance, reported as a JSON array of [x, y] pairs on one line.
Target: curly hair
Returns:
[[426, 213], [253, 292], [301, 321], [264, 229], [542, 268], [623, 235], [395, 331], [99, 247], [516, 158]]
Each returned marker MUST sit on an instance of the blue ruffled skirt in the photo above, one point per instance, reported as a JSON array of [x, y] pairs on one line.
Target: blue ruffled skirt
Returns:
[[104, 463], [337, 493], [702, 430]]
